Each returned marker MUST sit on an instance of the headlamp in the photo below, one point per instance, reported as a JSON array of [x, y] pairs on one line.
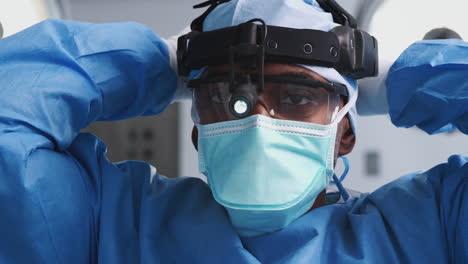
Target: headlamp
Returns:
[[349, 50], [240, 106], [247, 47], [243, 100]]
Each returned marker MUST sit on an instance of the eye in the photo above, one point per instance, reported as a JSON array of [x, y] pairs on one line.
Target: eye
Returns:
[[220, 94], [221, 99], [298, 99]]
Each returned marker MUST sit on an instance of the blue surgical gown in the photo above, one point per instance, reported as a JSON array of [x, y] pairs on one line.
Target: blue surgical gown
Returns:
[[62, 201]]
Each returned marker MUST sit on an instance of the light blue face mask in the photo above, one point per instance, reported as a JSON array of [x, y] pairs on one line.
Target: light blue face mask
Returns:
[[267, 172]]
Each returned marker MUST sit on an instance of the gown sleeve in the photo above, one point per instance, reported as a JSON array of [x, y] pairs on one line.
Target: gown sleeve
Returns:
[[56, 78]]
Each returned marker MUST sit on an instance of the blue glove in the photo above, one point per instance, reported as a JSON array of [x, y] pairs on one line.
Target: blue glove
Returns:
[[427, 86]]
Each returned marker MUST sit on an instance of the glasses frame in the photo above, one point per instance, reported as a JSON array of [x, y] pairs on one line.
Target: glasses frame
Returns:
[[332, 87]]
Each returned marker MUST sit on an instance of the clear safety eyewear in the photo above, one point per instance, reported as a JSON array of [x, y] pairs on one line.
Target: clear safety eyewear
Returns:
[[218, 99]]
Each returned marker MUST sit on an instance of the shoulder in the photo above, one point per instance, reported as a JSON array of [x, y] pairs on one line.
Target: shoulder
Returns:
[[425, 183], [422, 192]]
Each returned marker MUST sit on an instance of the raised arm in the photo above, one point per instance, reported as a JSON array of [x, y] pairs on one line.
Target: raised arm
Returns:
[[55, 79], [59, 76], [428, 88]]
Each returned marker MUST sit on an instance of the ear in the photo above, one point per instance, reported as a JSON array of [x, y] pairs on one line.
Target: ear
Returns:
[[195, 137], [348, 139]]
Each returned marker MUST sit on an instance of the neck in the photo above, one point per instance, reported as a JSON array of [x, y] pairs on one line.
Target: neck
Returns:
[[320, 201]]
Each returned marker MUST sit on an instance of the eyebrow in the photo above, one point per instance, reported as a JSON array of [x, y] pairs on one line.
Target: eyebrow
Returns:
[[299, 75]]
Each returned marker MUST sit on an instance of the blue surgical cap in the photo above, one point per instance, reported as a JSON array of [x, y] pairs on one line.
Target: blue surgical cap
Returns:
[[300, 14]]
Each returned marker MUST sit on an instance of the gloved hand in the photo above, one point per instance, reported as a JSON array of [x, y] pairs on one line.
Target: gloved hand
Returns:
[[373, 91], [428, 86], [435, 98], [182, 91]]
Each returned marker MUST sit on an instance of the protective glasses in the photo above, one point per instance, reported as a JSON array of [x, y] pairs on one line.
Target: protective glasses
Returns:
[[220, 97]]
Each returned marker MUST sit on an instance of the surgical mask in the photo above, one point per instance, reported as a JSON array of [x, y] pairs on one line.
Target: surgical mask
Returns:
[[267, 172]]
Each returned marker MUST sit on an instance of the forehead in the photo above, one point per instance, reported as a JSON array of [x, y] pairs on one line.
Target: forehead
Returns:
[[274, 69]]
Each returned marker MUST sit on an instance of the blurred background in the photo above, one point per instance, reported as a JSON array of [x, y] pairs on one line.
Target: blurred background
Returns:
[[382, 152]]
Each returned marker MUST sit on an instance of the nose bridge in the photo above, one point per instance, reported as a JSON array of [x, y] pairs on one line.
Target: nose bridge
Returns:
[[261, 108]]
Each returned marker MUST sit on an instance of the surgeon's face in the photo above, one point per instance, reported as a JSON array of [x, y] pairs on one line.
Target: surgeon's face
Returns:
[[345, 138]]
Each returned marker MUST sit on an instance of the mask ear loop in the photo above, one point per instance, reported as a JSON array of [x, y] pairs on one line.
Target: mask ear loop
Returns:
[[346, 108], [337, 181]]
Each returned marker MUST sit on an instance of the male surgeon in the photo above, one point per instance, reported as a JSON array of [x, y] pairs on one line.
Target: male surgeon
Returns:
[[268, 136]]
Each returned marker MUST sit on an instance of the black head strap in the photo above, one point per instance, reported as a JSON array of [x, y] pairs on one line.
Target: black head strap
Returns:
[[347, 49]]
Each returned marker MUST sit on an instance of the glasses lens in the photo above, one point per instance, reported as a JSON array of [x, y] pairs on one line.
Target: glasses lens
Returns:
[[212, 102], [300, 102], [282, 100]]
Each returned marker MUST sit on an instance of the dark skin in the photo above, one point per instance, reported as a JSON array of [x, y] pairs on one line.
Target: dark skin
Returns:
[[345, 138]]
